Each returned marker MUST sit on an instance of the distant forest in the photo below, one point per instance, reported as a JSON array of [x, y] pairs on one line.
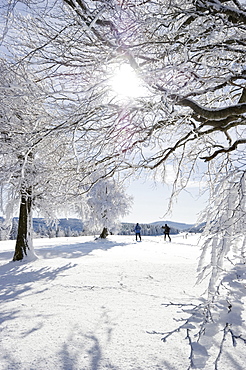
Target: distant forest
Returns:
[[72, 227]]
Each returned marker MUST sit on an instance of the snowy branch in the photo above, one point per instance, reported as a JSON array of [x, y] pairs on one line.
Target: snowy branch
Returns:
[[225, 150], [213, 114]]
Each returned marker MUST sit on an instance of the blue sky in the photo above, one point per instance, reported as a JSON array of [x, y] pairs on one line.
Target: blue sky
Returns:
[[151, 201]]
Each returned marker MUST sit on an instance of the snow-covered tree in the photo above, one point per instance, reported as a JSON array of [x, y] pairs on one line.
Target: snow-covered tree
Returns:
[[19, 120], [107, 202], [225, 226], [38, 167]]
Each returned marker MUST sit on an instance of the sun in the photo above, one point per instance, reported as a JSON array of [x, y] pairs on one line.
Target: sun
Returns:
[[125, 82]]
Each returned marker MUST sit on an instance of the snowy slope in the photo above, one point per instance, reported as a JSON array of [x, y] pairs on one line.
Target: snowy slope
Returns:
[[94, 305]]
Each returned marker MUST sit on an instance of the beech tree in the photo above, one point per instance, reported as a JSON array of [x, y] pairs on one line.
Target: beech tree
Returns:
[[19, 119], [106, 203], [38, 167]]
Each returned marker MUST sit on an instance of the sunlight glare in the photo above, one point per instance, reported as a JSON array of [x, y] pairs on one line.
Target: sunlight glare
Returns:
[[126, 83]]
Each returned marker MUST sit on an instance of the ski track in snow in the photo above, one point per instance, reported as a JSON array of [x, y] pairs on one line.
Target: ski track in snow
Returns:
[[86, 304]]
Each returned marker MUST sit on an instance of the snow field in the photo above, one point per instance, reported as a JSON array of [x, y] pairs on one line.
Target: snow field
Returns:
[[91, 305]]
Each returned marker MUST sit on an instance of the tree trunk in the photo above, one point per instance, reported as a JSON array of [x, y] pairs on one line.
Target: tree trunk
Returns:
[[104, 233], [24, 234]]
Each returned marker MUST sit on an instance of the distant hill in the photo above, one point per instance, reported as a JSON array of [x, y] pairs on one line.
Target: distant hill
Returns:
[[192, 228], [175, 225]]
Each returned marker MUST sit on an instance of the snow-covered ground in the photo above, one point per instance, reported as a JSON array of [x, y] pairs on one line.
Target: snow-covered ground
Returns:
[[93, 305]]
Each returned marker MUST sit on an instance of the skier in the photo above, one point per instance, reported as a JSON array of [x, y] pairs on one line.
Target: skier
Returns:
[[166, 231], [138, 232]]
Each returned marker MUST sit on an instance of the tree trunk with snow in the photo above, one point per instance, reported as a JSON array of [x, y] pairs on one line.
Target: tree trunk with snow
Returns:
[[104, 233], [24, 235]]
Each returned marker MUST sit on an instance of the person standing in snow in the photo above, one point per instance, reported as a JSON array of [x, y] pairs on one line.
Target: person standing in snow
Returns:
[[138, 232], [166, 231]]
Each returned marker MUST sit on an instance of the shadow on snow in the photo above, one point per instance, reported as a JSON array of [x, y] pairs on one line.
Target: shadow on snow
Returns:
[[76, 250]]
